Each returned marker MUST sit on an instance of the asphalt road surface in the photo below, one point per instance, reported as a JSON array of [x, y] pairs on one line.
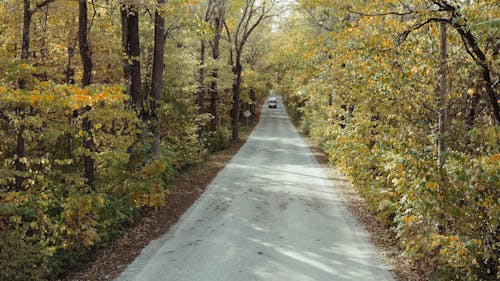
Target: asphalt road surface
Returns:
[[271, 214]]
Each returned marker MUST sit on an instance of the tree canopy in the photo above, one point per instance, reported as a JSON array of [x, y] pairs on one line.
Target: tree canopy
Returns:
[[410, 114]]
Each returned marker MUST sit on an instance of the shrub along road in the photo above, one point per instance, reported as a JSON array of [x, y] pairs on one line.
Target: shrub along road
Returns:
[[271, 214]]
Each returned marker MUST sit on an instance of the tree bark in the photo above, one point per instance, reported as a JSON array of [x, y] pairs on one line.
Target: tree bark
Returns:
[[157, 77], [486, 73], [44, 48], [135, 52], [213, 102], [85, 54], [28, 15], [132, 50], [253, 14], [27, 18], [491, 92], [83, 43]]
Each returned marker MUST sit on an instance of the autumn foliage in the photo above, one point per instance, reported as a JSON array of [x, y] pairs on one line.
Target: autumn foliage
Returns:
[[363, 80], [86, 143], [49, 217]]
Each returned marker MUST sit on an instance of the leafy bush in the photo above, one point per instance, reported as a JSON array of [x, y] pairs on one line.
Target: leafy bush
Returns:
[[50, 219], [217, 141]]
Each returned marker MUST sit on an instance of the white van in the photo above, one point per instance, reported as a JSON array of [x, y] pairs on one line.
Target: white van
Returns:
[[273, 103]]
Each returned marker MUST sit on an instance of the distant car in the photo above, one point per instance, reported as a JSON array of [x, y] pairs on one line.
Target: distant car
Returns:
[[273, 103]]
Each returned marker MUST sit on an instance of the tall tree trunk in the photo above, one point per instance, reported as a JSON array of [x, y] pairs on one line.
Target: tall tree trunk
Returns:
[[83, 43], [235, 113], [443, 92], [132, 49], [201, 88], [157, 77], [134, 54], [491, 92], [27, 18], [215, 55], [28, 15], [85, 54], [253, 14]]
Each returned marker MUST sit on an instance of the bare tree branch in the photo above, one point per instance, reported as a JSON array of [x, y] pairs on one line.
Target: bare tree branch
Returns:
[[404, 35]]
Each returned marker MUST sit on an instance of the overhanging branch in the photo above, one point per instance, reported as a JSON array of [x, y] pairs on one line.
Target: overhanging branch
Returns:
[[404, 35]]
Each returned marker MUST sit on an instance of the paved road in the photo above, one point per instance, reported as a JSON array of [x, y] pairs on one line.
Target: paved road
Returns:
[[271, 214]]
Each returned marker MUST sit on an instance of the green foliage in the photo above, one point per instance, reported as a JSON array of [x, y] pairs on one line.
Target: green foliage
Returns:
[[24, 255], [217, 141], [180, 126]]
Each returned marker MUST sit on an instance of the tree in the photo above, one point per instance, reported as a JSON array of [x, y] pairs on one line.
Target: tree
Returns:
[[132, 49], [218, 25], [85, 54], [157, 75], [459, 22], [214, 16], [202, 67], [253, 13], [28, 16], [450, 13], [83, 43]]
